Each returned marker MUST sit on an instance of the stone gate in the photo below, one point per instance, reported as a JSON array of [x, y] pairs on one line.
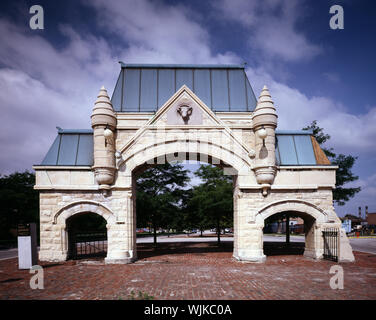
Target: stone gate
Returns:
[[206, 113]]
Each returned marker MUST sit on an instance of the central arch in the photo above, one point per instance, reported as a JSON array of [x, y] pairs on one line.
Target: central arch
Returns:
[[237, 158], [232, 163]]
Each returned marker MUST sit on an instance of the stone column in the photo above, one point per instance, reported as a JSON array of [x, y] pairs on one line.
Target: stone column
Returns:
[[314, 244], [236, 221], [118, 250], [314, 247], [248, 234], [250, 244], [287, 228], [121, 233], [53, 243], [345, 250]]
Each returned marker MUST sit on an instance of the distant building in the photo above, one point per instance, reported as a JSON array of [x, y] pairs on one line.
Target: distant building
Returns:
[[371, 218], [296, 226], [354, 219]]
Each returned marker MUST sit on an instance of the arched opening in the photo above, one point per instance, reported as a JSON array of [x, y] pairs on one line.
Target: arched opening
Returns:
[[313, 216], [287, 233], [87, 235], [182, 231]]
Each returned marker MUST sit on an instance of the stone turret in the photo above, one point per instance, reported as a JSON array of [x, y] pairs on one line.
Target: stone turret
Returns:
[[264, 124], [103, 122]]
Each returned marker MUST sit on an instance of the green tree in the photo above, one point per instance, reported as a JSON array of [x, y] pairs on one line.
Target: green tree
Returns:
[[212, 200], [192, 211], [344, 162], [159, 192], [19, 201]]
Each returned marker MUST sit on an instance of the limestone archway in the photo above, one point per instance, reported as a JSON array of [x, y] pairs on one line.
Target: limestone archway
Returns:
[[123, 140], [295, 205], [313, 216], [74, 208], [233, 164], [181, 149], [81, 207], [87, 235]]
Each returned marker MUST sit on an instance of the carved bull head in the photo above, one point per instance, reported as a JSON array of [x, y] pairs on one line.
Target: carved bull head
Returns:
[[185, 112]]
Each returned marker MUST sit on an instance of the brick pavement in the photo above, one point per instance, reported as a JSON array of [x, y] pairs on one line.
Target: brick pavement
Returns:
[[193, 271]]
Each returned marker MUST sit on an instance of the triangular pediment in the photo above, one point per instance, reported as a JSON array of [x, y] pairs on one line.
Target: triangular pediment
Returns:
[[193, 114], [184, 108]]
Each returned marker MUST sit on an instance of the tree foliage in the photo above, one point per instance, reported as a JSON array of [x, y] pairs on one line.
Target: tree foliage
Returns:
[[159, 192], [19, 201], [211, 202], [345, 163]]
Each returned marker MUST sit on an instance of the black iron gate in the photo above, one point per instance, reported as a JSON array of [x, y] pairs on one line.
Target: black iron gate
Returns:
[[331, 244], [87, 244]]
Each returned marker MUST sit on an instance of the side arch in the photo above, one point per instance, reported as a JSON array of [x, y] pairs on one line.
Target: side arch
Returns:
[[292, 205], [83, 206]]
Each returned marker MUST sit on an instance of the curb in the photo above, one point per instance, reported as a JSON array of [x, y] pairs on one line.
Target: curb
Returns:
[[363, 237]]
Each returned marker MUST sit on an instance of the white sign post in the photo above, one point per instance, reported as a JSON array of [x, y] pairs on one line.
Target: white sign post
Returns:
[[27, 246]]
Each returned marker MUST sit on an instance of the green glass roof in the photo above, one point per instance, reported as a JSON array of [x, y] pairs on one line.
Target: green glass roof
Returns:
[[146, 87], [71, 148], [294, 148]]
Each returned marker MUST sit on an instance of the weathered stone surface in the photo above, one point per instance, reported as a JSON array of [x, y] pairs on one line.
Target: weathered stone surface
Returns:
[[261, 188]]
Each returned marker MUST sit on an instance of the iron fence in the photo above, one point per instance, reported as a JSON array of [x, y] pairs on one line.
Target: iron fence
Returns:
[[330, 236], [87, 244]]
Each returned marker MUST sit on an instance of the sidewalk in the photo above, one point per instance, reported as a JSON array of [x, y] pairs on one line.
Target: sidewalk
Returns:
[[193, 271]]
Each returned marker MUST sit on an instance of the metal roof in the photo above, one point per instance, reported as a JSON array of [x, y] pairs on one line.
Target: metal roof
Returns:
[[182, 66], [146, 87], [71, 148], [75, 148], [294, 148]]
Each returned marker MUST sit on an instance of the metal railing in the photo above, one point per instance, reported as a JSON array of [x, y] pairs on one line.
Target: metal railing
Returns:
[[330, 236], [87, 244]]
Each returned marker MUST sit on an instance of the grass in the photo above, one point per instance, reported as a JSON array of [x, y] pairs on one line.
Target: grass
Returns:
[[140, 296]]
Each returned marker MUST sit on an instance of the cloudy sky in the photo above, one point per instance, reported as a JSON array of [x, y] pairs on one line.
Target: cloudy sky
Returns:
[[51, 77]]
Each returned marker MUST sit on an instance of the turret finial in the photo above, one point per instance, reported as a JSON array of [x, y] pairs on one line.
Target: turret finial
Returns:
[[103, 113]]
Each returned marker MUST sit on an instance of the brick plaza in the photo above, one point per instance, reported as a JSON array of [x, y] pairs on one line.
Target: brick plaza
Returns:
[[193, 271]]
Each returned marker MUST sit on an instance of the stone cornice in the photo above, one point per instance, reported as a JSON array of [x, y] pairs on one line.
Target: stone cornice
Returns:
[[308, 167], [93, 187], [82, 168]]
